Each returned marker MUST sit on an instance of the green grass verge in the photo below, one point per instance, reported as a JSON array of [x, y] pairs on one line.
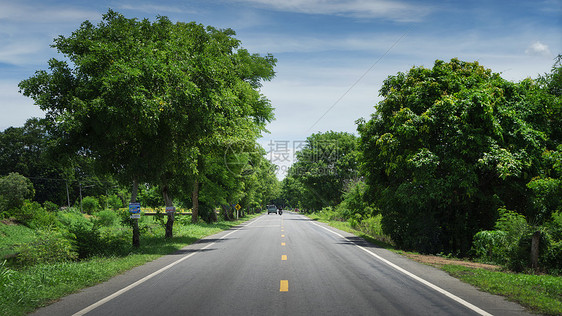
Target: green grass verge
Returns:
[[14, 234], [539, 293], [24, 290], [346, 227]]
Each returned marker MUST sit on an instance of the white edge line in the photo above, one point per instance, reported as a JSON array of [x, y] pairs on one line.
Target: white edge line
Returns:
[[150, 276], [413, 276]]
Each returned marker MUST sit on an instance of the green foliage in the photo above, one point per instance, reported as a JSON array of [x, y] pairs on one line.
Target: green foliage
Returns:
[[50, 247], [491, 246], [326, 162], [50, 206], [114, 202], [33, 215], [150, 196], [11, 235], [26, 150], [106, 218], [450, 145], [354, 205], [510, 243], [90, 204], [14, 189]]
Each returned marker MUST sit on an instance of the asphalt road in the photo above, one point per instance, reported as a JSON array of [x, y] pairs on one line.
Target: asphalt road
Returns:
[[283, 265]]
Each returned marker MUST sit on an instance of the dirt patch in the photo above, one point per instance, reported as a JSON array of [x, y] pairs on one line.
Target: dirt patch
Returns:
[[440, 261], [9, 221]]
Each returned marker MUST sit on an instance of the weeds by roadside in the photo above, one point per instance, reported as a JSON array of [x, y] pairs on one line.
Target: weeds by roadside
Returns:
[[25, 288]]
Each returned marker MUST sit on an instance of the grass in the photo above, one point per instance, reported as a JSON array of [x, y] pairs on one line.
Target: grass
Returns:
[[25, 289], [13, 234], [539, 293], [381, 241]]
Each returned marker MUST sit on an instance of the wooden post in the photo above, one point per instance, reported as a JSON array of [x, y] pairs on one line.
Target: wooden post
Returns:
[[136, 231], [535, 241], [169, 214]]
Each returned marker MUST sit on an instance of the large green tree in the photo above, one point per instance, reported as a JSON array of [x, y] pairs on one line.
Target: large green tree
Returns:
[[147, 99], [450, 145]]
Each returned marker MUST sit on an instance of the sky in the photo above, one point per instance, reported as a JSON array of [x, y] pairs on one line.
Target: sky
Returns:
[[333, 55]]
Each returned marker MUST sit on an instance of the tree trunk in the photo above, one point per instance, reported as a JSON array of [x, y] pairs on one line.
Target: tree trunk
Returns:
[[195, 199], [535, 250], [136, 231], [170, 222]]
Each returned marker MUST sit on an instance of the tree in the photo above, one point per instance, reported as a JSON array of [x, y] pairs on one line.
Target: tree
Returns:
[[25, 150], [450, 145], [14, 190], [325, 164], [146, 100]]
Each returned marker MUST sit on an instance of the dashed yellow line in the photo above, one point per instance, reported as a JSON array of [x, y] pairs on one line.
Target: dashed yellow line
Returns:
[[284, 257], [284, 286], [282, 235], [282, 244]]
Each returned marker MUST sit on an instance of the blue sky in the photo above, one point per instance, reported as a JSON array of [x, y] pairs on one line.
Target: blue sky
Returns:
[[333, 55]]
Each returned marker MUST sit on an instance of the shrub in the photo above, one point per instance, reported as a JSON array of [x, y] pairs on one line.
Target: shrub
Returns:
[[70, 216], [114, 202], [372, 225], [50, 206], [514, 224], [86, 237], [33, 215], [552, 259], [90, 204], [51, 247], [105, 218], [491, 246], [520, 255]]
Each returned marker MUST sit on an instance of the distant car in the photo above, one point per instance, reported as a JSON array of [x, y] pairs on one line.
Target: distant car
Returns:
[[271, 209]]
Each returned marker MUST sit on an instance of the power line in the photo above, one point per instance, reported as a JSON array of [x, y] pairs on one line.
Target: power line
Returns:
[[360, 78]]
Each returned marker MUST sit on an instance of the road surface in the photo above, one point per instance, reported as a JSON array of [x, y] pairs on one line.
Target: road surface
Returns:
[[283, 265]]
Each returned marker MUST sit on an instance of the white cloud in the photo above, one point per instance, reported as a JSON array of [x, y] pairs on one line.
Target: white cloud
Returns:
[[15, 108], [37, 13], [538, 49], [381, 9], [155, 9]]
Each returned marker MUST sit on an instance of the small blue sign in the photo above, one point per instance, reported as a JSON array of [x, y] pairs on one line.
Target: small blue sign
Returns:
[[134, 208]]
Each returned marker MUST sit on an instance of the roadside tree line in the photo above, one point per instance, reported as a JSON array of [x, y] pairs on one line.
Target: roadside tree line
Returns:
[[454, 160], [173, 107]]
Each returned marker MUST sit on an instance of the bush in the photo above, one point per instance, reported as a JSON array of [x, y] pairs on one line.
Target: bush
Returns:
[[50, 206], [51, 247], [491, 246], [33, 215], [87, 238], [552, 259], [105, 218], [114, 202], [520, 255], [90, 204]]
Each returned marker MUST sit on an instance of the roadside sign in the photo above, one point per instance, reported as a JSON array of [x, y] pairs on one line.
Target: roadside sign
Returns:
[[135, 216], [170, 209], [238, 207], [134, 208]]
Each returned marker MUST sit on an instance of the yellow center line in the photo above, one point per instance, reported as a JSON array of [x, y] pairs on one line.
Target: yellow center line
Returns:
[[284, 257], [282, 244], [284, 287], [282, 235]]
